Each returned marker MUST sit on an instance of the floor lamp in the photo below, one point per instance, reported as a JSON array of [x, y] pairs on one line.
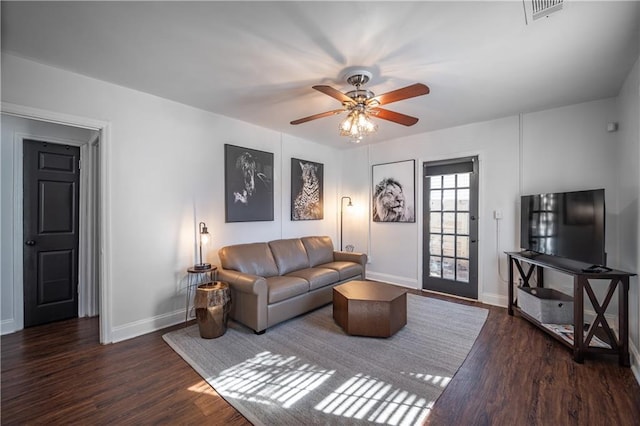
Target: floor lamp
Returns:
[[341, 213]]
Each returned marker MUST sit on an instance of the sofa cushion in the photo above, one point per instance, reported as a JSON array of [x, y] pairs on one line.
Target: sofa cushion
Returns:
[[282, 288], [289, 255], [317, 277], [319, 250], [345, 269], [254, 259]]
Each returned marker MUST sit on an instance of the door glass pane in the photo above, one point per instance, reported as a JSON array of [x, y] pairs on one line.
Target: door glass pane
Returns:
[[448, 247], [449, 223], [462, 223], [435, 200], [448, 271], [462, 246], [434, 222], [435, 243], [436, 182], [462, 270], [463, 180], [435, 264], [463, 199], [449, 199], [449, 181]]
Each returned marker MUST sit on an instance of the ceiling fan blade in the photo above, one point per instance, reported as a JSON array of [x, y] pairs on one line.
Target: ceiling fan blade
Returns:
[[412, 91], [334, 93], [316, 116], [396, 117]]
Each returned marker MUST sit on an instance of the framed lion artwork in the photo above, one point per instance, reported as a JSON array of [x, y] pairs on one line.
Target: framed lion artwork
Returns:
[[393, 191]]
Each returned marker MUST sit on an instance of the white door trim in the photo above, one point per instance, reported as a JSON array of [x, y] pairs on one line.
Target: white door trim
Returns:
[[104, 214]]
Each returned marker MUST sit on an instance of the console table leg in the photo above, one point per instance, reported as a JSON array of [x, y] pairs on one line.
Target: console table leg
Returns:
[[510, 288], [540, 276], [623, 318], [578, 319]]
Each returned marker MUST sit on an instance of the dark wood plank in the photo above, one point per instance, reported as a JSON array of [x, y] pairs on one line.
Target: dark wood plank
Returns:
[[515, 374], [59, 373]]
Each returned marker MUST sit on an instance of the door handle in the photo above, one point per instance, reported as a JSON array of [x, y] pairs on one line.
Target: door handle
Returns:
[[30, 243], [473, 241]]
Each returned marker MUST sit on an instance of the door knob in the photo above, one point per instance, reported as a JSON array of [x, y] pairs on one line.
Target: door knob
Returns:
[[30, 243]]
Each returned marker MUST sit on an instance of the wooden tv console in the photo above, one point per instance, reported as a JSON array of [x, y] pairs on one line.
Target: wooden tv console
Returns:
[[581, 284]]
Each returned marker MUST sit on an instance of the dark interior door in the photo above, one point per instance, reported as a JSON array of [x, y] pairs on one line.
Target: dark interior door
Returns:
[[451, 227], [50, 210]]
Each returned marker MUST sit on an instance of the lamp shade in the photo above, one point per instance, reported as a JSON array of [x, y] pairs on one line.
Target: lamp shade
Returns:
[[204, 238]]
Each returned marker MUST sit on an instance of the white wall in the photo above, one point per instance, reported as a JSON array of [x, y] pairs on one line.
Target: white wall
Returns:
[[13, 128], [165, 174], [356, 183], [628, 200]]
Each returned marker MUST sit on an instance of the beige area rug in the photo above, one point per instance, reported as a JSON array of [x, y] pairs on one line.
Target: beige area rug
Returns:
[[308, 371]]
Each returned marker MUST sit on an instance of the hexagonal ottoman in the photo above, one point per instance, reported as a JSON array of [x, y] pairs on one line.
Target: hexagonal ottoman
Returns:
[[368, 308]]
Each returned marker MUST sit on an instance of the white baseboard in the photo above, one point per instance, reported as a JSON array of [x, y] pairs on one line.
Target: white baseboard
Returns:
[[393, 279], [7, 326], [144, 326], [494, 299]]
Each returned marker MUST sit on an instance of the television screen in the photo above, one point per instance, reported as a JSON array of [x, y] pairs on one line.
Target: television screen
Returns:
[[565, 224]]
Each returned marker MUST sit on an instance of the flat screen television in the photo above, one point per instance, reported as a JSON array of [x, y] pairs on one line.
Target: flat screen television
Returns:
[[565, 224]]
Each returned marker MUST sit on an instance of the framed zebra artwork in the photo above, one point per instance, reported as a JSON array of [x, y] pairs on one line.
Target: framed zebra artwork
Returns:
[[248, 184], [307, 190], [393, 194]]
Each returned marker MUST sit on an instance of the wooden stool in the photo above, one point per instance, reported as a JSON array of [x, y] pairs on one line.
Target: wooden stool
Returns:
[[212, 303]]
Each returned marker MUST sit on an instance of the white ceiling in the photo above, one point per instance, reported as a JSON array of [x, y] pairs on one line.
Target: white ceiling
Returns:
[[257, 61]]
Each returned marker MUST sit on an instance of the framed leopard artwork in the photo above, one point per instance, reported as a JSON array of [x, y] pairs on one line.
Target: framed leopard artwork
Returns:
[[307, 190]]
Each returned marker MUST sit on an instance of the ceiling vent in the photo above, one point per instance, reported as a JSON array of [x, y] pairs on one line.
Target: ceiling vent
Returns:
[[536, 9]]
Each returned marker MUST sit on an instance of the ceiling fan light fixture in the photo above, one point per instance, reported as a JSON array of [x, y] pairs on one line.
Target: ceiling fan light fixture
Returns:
[[362, 104], [357, 125]]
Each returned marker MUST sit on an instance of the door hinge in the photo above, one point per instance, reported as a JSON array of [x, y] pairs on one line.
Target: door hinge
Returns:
[[79, 164]]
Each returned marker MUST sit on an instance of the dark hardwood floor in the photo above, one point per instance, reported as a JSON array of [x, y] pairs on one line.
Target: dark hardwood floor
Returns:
[[514, 375]]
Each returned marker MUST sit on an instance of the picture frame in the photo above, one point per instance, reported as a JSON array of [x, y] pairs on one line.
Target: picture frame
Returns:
[[248, 183], [393, 195], [307, 190]]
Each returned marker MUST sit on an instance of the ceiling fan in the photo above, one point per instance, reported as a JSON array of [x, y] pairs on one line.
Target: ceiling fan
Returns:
[[361, 104]]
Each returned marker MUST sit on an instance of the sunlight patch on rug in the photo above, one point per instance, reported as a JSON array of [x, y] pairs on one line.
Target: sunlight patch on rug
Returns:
[[364, 397], [270, 379]]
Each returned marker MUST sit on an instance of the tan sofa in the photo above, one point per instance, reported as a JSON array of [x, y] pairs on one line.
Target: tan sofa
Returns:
[[272, 282]]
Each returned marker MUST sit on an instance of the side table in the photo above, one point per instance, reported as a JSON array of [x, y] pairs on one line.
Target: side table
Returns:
[[195, 278], [212, 303]]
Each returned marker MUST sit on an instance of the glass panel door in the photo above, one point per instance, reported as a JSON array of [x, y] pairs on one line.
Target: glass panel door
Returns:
[[450, 227]]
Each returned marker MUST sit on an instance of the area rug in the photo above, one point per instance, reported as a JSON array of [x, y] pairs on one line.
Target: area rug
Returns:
[[308, 371]]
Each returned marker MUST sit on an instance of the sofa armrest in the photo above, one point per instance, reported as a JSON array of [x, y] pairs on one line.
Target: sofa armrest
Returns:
[[244, 283], [346, 256], [248, 298]]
